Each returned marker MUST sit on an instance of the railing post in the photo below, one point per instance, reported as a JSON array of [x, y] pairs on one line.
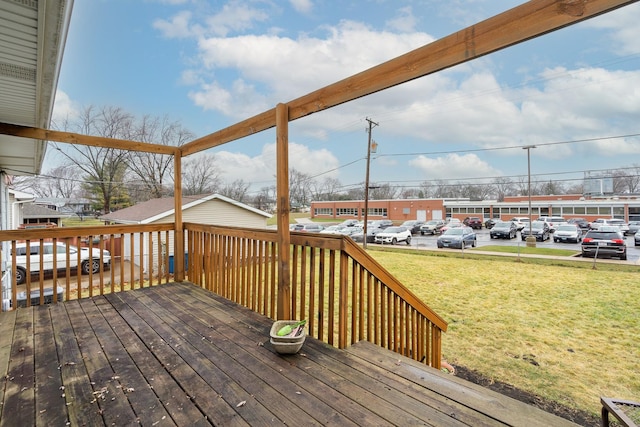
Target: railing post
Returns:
[[284, 238]]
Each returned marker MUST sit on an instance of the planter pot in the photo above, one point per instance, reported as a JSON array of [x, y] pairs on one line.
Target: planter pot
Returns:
[[286, 344]]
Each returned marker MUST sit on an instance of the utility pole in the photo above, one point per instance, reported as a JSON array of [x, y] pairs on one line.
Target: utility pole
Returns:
[[531, 241], [366, 183]]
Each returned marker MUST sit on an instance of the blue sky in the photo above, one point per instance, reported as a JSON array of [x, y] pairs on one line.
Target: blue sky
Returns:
[[209, 64]]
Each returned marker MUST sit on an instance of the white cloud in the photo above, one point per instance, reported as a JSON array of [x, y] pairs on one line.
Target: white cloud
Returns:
[[64, 108], [302, 6], [453, 166], [624, 27], [179, 26], [235, 16], [404, 21], [262, 167], [285, 68]]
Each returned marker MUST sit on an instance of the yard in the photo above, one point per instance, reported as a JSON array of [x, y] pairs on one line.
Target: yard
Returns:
[[568, 334]]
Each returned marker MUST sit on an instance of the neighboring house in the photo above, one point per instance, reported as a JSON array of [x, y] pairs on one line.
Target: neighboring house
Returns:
[[13, 216], [79, 207], [212, 209], [35, 215]]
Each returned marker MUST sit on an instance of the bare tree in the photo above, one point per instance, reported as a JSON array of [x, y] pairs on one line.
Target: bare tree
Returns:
[[552, 187], [426, 189], [154, 171], [326, 189], [103, 167], [199, 176], [627, 180], [382, 192], [503, 187], [410, 193], [237, 190], [522, 185], [265, 198], [299, 187]]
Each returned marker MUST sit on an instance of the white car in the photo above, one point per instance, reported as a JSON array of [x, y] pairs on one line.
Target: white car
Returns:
[[623, 226], [394, 235], [521, 222], [567, 233], [88, 262]]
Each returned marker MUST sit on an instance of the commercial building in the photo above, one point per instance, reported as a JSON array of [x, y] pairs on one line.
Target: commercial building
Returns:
[[568, 206]]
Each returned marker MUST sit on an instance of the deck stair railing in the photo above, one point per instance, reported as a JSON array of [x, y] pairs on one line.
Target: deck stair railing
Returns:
[[345, 295]]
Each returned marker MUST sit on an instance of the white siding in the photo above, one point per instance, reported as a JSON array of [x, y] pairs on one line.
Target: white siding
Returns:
[[218, 212], [212, 212]]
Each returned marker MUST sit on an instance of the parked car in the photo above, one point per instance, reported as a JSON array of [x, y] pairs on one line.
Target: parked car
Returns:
[[333, 229], [636, 239], [412, 225], [539, 229], [600, 222], [520, 221], [89, 261], [450, 223], [504, 230], [606, 241], [381, 223], [634, 226], [552, 221], [394, 235], [349, 223], [457, 237], [357, 236], [580, 222], [310, 228], [490, 222], [474, 222], [568, 233], [432, 227]]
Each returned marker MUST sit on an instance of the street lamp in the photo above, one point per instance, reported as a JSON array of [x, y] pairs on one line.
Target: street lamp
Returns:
[[531, 240]]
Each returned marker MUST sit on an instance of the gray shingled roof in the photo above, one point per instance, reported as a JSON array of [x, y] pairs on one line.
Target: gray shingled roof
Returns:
[[31, 210]]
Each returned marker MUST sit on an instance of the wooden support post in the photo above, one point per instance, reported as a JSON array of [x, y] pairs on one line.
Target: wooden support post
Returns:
[[284, 238], [178, 234]]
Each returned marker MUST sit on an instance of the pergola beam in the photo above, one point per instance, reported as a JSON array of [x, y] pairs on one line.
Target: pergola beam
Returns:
[[79, 139]]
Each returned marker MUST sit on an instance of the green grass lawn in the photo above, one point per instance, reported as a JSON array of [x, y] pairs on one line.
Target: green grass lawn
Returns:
[[567, 333]]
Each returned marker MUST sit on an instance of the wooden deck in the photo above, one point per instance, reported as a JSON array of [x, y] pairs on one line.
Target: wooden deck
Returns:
[[178, 355]]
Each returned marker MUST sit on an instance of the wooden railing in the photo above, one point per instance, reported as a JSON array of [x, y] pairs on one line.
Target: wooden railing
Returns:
[[125, 257], [344, 294]]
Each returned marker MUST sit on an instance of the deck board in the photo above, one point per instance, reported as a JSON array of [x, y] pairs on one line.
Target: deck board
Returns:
[[48, 381], [178, 355]]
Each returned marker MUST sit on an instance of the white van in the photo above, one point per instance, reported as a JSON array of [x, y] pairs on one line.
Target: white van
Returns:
[[87, 262]]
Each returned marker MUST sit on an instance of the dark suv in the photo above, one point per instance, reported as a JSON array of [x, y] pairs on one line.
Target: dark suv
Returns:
[[607, 241], [473, 222]]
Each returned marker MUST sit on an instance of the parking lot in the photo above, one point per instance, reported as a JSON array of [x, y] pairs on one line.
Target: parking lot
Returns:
[[483, 239]]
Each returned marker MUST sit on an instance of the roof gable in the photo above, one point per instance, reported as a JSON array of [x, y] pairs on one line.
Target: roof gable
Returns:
[[155, 209]]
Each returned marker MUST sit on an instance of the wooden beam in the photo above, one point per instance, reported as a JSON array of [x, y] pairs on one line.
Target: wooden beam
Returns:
[[79, 139], [255, 124], [529, 20], [284, 236]]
